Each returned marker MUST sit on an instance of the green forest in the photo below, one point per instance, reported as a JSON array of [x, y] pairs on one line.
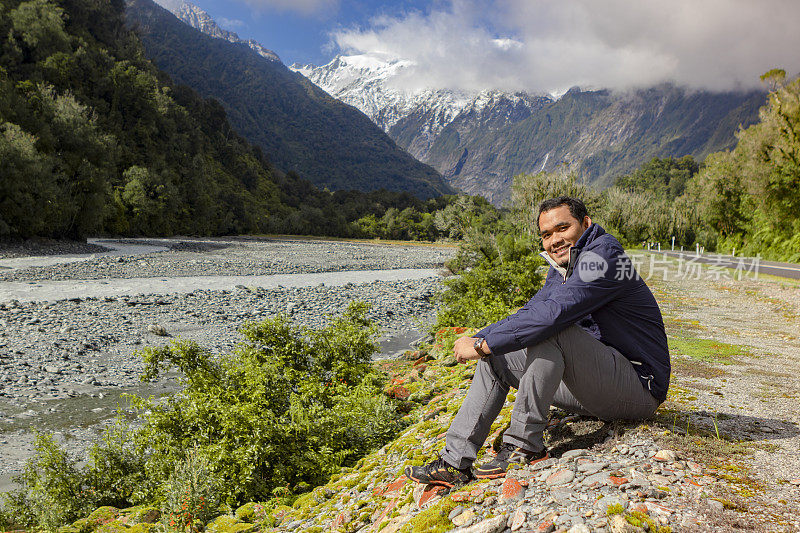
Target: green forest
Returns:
[[95, 140]]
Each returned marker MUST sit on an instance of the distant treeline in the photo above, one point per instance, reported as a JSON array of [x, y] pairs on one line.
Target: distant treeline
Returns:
[[95, 140]]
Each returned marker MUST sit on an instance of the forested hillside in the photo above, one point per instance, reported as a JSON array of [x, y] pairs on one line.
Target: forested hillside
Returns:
[[94, 139], [298, 125]]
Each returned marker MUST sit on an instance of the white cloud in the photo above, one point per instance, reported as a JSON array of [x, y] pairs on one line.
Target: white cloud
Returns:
[[303, 7], [231, 24], [545, 46]]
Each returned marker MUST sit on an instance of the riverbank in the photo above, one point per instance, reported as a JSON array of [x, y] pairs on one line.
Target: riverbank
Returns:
[[67, 355]]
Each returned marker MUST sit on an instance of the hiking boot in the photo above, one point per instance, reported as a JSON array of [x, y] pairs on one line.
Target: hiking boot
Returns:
[[508, 455], [438, 472]]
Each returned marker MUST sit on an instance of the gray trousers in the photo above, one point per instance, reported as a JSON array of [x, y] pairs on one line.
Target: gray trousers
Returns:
[[571, 370]]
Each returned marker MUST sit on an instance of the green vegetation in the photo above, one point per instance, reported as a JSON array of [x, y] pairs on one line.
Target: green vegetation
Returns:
[[94, 139], [287, 409], [706, 349], [750, 195]]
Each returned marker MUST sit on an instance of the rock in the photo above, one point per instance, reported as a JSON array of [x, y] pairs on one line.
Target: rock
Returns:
[[545, 526], [511, 490], [491, 525], [157, 329], [517, 519], [463, 518], [579, 528], [570, 454], [427, 495], [664, 456], [607, 501], [715, 505], [618, 524], [455, 512], [560, 477]]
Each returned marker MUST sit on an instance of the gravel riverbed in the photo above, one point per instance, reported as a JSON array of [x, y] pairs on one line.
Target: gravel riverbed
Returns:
[[64, 363]]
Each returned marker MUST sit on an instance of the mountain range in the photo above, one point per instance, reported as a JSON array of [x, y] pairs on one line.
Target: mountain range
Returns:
[[298, 126], [479, 140]]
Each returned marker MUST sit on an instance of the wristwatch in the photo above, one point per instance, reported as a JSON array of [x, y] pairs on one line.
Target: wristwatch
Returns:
[[477, 345]]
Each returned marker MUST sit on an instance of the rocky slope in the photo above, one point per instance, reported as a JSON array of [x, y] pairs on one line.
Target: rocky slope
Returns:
[[201, 20], [479, 141]]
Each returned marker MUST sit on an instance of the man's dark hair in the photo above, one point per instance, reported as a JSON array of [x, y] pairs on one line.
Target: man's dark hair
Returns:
[[576, 207]]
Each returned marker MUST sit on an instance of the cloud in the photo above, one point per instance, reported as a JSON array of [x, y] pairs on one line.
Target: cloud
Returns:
[[303, 7], [545, 46], [231, 24]]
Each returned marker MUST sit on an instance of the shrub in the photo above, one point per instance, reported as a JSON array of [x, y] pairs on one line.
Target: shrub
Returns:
[[290, 405], [51, 492], [505, 275], [288, 408]]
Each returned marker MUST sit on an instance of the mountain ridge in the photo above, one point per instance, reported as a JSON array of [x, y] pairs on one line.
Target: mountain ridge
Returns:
[[298, 126], [480, 143]]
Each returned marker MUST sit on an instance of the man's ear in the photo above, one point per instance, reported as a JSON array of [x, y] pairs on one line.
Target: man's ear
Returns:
[[586, 222]]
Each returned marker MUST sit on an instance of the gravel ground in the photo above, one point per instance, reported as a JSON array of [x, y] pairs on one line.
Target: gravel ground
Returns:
[[42, 247], [64, 364], [237, 257]]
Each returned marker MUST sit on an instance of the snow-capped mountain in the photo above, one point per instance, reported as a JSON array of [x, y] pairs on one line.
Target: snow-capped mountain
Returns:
[[413, 117], [200, 20], [480, 140]]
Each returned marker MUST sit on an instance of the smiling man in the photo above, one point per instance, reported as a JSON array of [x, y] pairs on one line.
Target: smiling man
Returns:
[[591, 341]]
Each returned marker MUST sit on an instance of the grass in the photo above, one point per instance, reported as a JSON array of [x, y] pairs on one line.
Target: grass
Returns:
[[707, 350]]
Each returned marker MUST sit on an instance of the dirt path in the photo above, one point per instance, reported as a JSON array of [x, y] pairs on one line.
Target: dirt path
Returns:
[[735, 345]]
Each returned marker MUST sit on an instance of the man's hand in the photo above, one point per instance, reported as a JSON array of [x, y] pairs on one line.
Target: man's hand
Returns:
[[464, 350]]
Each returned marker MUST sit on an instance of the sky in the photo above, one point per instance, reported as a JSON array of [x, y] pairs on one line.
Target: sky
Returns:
[[540, 46]]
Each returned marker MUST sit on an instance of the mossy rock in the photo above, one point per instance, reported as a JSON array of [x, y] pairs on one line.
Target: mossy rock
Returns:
[[68, 529], [141, 515], [100, 516], [229, 524], [115, 526], [247, 512], [142, 527]]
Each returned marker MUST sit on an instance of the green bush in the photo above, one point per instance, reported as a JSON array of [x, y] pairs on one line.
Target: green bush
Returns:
[[288, 408], [51, 492], [498, 274], [290, 405]]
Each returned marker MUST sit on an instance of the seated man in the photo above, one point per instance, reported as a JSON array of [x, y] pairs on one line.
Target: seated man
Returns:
[[591, 341]]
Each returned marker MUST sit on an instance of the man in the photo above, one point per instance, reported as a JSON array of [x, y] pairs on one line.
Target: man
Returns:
[[591, 341]]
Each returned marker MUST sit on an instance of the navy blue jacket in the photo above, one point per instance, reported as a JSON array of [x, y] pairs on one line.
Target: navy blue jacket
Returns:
[[601, 291]]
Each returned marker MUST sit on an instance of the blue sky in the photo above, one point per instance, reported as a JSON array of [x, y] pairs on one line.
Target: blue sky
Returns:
[[539, 46], [302, 34]]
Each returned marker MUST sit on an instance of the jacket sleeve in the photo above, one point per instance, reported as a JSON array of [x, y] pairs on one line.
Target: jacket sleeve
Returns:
[[584, 291], [538, 296]]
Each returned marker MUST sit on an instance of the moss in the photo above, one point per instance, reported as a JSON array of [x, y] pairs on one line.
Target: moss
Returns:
[[141, 514], [640, 519], [115, 526], [142, 528], [247, 512], [229, 524], [304, 501], [432, 520], [614, 509], [706, 349]]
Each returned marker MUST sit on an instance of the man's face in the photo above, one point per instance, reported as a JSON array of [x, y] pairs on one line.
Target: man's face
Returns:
[[560, 231]]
